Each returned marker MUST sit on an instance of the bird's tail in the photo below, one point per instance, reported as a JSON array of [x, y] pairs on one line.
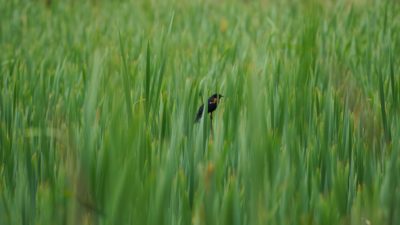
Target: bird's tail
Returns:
[[198, 117], [199, 114]]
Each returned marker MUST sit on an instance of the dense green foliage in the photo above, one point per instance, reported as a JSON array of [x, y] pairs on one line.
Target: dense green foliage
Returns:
[[98, 99]]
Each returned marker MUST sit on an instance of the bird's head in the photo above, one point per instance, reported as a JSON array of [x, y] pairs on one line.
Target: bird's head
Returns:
[[215, 98]]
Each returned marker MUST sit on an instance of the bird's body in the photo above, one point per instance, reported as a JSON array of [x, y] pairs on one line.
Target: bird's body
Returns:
[[212, 106]]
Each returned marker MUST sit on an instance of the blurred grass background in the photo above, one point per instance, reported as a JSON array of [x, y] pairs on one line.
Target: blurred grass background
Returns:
[[98, 99]]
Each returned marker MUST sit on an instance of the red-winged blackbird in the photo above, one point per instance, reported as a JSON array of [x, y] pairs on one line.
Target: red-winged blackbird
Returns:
[[213, 102]]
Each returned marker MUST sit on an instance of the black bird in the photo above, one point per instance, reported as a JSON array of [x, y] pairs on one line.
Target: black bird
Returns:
[[213, 102]]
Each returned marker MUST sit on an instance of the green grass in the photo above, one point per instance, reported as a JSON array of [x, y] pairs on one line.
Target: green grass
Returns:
[[98, 99]]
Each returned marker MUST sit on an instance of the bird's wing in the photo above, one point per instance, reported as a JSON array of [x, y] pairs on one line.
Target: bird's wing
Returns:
[[199, 113]]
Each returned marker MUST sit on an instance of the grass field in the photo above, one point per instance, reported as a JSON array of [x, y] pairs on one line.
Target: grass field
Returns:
[[98, 99]]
